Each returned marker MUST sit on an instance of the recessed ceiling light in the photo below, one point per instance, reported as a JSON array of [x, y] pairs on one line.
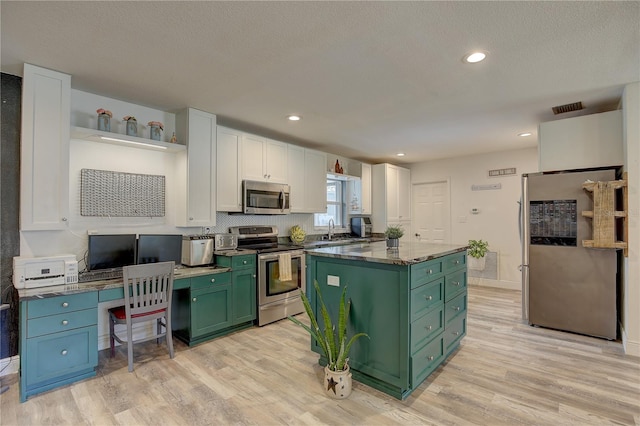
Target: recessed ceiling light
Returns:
[[294, 117], [474, 57], [524, 134], [400, 154]]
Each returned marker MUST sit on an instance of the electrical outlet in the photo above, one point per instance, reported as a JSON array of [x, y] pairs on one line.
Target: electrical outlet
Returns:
[[206, 230]]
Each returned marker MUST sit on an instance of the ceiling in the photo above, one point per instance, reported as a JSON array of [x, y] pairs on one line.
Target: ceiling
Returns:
[[369, 78]]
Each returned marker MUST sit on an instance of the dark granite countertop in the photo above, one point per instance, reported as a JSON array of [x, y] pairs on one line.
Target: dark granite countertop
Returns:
[[407, 254], [59, 290]]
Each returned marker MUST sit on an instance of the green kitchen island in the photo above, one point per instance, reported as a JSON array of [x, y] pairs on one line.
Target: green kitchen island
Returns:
[[411, 301]]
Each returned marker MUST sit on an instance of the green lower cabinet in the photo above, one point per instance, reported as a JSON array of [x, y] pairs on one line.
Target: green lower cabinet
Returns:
[[211, 306], [244, 296], [402, 309], [58, 341]]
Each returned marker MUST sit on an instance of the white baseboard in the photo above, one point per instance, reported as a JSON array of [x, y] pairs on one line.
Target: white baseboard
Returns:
[[485, 282], [630, 347], [9, 365]]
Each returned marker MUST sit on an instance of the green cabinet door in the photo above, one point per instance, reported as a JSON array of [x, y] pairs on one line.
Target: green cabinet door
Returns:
[[244, 295], [210, 309]]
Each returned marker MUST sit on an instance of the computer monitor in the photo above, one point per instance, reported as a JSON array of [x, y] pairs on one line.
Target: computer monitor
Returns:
[[111, 251], [154, 248]]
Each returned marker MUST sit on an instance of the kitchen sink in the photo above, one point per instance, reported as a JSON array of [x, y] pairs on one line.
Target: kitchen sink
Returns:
[[336, 242]]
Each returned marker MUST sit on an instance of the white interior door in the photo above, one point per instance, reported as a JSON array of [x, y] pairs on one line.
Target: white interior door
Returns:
[[431, 213]]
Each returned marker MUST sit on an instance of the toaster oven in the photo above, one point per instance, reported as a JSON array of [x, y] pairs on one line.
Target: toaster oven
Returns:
[[197, 250]]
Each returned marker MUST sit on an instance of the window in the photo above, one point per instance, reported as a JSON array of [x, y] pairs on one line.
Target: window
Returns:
[[335, 206]]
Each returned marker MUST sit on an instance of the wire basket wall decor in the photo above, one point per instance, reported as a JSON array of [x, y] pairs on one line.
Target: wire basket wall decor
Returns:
[[117, 194]]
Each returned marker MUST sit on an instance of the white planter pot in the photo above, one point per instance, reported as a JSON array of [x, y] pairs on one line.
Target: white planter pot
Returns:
[[476, 264], [337, 384]]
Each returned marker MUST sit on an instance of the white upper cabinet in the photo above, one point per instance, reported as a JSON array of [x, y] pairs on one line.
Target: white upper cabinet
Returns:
[[391, 200], [229, 180], [308, 183], [44, 166], [197, 192], [263, 159], [365, 198], [315, 181]]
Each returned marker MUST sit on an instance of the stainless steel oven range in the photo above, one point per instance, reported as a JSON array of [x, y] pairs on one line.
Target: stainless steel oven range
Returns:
[[281, 272]]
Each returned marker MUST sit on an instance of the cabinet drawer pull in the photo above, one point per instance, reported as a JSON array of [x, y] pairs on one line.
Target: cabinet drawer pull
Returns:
[[456, 283], [429, 327], [457, 262], [430, 357], [65, 322], [194, 299], [457, 333], [429, 297], [64, 352], [65, 304], [213, 280], [429, 271], [254, 275], [244, 262], [456, 308]]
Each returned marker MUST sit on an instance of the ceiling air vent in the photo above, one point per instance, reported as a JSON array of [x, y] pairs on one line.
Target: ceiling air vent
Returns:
[[561, 109]]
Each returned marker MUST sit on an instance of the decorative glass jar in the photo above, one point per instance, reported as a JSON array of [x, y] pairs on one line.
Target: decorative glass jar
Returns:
[[154, 132], [104, 122], [132, 127]]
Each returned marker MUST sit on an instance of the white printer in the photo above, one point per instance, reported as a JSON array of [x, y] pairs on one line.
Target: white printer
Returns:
[[31, 272]]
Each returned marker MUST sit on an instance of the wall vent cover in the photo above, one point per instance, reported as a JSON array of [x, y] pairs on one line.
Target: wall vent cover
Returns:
[[561, 109]]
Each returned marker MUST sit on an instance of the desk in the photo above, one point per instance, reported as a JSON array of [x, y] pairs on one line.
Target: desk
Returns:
[[59, 332]]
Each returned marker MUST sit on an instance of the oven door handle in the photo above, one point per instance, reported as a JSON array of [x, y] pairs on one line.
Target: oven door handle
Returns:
[[294, 254]]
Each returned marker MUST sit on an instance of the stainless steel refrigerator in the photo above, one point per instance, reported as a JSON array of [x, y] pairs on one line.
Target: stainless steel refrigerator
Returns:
[[565, 286]]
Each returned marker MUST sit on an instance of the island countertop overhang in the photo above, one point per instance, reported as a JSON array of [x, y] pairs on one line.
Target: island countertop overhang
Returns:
[[406, 254]]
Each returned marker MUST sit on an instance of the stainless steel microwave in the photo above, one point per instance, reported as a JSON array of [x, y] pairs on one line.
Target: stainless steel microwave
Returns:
[[265, 197]]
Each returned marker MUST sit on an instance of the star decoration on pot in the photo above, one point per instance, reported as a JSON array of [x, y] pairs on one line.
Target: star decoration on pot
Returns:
[[331, 384]]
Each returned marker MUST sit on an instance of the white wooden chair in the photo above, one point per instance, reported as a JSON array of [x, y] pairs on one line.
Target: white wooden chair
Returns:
[[147, 295]]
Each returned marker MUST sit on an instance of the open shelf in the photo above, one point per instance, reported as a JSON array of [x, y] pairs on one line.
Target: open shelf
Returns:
[[124, 140]]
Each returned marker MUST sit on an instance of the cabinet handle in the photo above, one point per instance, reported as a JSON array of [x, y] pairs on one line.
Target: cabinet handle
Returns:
[[430, 357], [64, 219], [429, 328], [65, 322], [65, 304], [457, 262], [429, 271], [254, 275], [429, 297], [457, 308], [64, 352], [456, 283], [213, 280], [457, 333], [194, 299], [244, 262]]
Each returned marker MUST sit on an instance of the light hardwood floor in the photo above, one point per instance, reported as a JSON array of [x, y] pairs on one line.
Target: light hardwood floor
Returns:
[[505, 373]]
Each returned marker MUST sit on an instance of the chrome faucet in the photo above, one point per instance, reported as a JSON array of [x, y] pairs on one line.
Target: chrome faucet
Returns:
[[331, 224]]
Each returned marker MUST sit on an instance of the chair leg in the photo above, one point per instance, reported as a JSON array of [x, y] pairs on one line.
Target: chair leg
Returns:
[[112, 343], [169, 336], [159, 327], [130, 345]]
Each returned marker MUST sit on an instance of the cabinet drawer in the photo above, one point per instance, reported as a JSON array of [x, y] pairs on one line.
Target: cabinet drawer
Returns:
[[454, 331], [422, 273], [426, 297], [455, 261], [426, 360], [455, 307], [235, 262], [423, 329], [61, 304], [454, 283], [59, 354], [61, 322], [210, 280], [181, 283]]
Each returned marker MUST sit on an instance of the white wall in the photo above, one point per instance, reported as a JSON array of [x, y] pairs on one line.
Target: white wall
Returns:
[[631, 280], [498, 219]]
